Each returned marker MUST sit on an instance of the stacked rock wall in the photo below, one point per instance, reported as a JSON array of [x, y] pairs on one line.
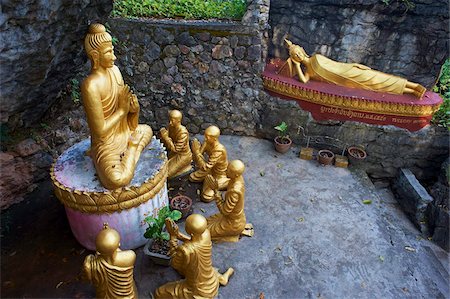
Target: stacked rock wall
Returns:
[[209, 70]]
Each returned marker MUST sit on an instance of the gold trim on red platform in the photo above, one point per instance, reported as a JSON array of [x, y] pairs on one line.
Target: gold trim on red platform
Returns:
[[343, 102]]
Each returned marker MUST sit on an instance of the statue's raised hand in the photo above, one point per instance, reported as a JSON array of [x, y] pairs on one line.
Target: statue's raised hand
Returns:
[[125, 99], [164, 133], [134, 104], [196, 146]]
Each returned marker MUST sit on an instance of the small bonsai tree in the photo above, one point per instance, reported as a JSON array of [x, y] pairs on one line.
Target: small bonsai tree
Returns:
[[283, 137], [155, 228]]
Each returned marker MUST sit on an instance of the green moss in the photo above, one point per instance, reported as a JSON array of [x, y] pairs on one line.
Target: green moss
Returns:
[[442, 116], [187, 9]]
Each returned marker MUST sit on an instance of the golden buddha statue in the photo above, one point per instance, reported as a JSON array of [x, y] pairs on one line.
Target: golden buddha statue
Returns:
[[192, 259], [176, 139], [110, 269], [230, 223], [321, 68], [216, 165], [112, 111]]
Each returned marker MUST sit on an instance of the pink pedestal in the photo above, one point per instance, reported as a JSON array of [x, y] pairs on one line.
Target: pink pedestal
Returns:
[[129, 223], [89, 205]]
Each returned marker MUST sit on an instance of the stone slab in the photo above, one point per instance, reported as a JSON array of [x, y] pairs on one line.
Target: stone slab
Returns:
[[413, 197]]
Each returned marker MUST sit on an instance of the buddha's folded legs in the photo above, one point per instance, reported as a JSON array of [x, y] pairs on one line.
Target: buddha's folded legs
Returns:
[[117, 171]]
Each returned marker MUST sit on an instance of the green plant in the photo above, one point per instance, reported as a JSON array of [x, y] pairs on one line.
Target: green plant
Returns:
[[188, 9], [75, 93], [156, 224], [282, 128], [409, 4], [442, 116]]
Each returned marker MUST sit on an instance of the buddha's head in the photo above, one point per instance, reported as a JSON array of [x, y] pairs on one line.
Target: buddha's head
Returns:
[[175, 117], [196, 224], [212, 134], [98, 47], [296, 52], [235, 168], [107, 241]]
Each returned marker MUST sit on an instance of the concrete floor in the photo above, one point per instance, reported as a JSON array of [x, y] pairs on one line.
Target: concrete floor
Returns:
[[314, 238]]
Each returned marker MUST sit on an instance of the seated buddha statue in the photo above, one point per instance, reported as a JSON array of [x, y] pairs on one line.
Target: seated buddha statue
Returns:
[[112, 111], [354, 75]]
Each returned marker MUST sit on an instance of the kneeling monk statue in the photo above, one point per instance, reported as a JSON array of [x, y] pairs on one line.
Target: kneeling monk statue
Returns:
[[193, 260], [216, 164], [112, 111], [321, 68], [110, 269], [176, 139], [230, 223]]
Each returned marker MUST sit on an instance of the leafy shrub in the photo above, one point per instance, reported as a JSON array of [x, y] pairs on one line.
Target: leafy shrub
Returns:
[[442, 116], [75, 92], [282, 128], [188, 9], [156, 224]]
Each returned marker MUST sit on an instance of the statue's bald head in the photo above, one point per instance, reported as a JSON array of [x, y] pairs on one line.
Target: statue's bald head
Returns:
[[96, 36], [196, 224], [236, 167], [212, 131], [175, 114], [107, 240]]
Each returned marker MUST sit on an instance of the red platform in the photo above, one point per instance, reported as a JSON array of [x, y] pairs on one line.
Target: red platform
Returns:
[[327, 101]]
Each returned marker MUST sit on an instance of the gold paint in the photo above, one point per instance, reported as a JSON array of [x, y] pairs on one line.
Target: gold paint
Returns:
[[112, 111], [341, 161], [110, 269], [216, 165], [306, 153], [193, 260], [354, 75], [110, 201], [230, 223], [354, 104], [176, 139]]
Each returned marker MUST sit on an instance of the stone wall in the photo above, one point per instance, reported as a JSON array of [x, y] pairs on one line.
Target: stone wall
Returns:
[[208, 69], [412, 44], [40, 50]]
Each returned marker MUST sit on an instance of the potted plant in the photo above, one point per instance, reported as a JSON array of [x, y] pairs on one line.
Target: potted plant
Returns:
[[282, 142], [158, 245], [181, 203]]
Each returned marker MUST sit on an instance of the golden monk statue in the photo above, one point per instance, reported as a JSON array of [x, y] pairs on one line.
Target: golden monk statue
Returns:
[[192, 259], [112, 111], [110, 269], [216, 165], [176, 139], [321, 68], [230, 223]]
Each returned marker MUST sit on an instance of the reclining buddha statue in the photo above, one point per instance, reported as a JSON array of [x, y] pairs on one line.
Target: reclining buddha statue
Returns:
[[354, 75], [112, 111]]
